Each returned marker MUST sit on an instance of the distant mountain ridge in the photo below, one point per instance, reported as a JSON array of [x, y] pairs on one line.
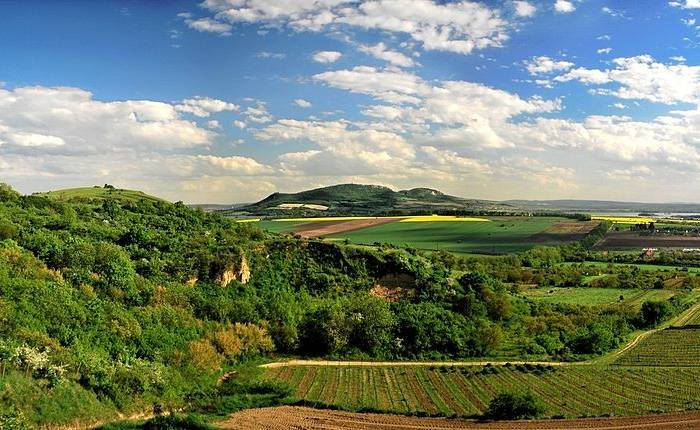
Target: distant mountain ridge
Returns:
[[605, 206], [364, 199]]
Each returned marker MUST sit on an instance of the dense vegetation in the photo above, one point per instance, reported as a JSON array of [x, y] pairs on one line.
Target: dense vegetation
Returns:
[[124, 304]]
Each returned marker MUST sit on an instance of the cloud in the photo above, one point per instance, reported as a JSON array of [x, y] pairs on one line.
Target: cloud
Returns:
[[564, 6], [69, 120], [205, 106], [258, 114], [381, 52], [208, 25], [326, 57], [302, 103], [643, 78], [686, 4], [385, 84], [241, 166], [524, 9], [459, 27], [271, 55], [604, 50], [586, 76], [545, 65]]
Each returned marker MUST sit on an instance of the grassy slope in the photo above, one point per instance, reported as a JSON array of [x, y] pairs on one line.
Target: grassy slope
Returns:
[[500, 236], [655, 267], [597, 296], [98, 193]]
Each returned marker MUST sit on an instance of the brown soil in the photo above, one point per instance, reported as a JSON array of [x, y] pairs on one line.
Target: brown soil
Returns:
[[288, 417], [630, 239], [564, 231], [326, 228]]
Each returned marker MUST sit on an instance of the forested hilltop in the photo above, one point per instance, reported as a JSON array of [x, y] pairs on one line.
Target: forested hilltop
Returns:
[[126, 305]]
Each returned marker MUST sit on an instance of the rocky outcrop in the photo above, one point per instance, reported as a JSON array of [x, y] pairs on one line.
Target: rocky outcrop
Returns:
[[235, 272]]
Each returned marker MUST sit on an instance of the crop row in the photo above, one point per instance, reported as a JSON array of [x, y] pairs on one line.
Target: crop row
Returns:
[[670, 347], [572, 391]]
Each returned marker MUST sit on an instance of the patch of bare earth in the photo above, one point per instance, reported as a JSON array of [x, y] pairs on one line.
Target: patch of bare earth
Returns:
[[327, 228], [565, 231], [631, 239], [288, 417]]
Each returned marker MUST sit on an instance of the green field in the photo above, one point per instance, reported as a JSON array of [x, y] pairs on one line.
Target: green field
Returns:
[[655, 267], [597, 296], [98, 193], [573, 391], [502, 235], [279, 226]]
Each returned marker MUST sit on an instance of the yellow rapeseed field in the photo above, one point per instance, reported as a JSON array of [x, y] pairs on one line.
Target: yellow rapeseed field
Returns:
[[624, 219], [434, 218]]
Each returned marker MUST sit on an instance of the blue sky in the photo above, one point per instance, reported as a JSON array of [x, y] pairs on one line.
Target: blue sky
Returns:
[[229, 100]]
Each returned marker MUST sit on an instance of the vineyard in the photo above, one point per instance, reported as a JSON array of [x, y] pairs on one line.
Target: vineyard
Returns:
[[670, 347], [573, 391]]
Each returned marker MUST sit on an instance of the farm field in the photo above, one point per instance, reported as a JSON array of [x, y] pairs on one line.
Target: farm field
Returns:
[[570, 391], [629, 239], [653, 267], [495, 235], [501, 235], [286, 417], [674, 346], [597, 296]]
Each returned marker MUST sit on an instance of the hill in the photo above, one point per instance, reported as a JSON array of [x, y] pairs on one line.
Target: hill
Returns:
[[357, 199], [106, 192]]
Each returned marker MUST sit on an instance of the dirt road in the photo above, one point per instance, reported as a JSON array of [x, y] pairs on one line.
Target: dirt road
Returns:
[[288, 417]]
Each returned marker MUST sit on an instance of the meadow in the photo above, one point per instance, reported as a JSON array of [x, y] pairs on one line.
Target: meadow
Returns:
[[652, 267], [586, 296], [569, 391]]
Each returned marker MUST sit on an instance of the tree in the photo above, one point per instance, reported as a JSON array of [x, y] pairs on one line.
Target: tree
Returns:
[[514, 406], [653, 312]]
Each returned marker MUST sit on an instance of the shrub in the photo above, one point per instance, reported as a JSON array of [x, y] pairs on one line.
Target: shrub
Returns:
[[12, 419], [204, 356], [514, 406]]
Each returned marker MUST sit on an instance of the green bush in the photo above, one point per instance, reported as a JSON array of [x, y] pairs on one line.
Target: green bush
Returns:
[[12, 419], [514, 406]]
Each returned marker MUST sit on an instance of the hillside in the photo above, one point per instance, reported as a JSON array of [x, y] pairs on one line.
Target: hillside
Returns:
[[359, 199], [98, 193]]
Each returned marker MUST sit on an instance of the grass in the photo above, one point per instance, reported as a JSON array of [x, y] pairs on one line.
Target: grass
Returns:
[[65, 403], [653, 267], [573, 391], [98, 193], [587, 296], [502, 235]]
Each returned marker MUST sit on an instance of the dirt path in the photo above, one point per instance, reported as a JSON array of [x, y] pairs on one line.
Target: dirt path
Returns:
[[326, 228], [288, 417]]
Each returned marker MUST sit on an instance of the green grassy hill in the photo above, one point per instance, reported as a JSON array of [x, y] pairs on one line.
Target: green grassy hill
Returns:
[[367, 199], [98, 193]]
